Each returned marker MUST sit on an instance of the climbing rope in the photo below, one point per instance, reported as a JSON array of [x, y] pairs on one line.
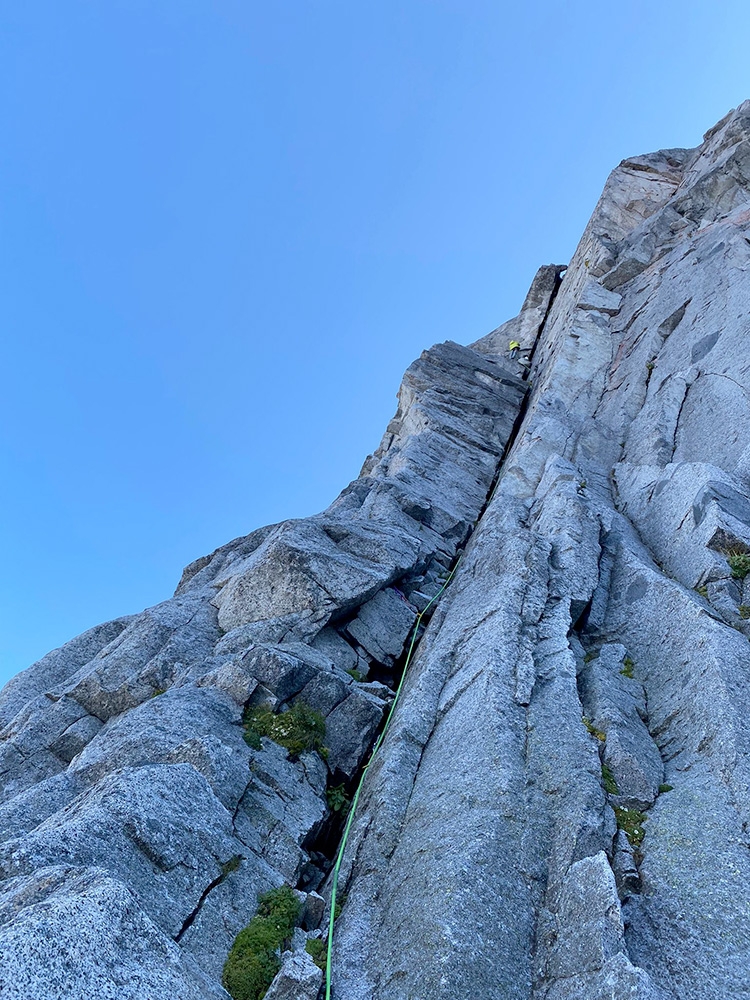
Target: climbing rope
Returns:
[[378, 743]]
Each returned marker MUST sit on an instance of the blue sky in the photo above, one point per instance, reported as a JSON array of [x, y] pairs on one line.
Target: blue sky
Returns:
[[228, 226]]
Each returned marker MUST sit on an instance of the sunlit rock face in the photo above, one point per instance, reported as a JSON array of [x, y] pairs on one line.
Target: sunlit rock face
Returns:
[[560, 805]]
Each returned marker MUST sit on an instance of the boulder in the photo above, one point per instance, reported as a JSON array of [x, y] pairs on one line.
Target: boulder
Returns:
[[299, 978]]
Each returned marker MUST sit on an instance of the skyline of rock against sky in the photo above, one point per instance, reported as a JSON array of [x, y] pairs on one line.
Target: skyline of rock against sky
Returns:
[[559, 806]]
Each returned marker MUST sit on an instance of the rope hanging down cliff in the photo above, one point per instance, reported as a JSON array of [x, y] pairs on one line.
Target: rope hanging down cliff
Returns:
[[378, 744]]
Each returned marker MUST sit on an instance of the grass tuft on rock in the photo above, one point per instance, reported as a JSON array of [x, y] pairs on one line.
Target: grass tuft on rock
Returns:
[[608, 780], [627, 667], [596, 733], [631, 821], [739, 563], [317, 950], [253, 959], [299, 730]]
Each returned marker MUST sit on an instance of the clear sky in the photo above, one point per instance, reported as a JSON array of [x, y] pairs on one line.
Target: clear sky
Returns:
[[229, 225]]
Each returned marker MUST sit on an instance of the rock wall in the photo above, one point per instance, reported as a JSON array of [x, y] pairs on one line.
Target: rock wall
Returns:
[[559, 809], [138, 827]]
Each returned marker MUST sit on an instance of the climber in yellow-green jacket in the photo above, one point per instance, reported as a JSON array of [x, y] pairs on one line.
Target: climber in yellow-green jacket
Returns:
[[513, 349]]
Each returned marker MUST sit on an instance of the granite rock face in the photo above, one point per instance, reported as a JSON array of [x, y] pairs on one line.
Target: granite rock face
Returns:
[[587, 669], [560, 806], [137, 826]]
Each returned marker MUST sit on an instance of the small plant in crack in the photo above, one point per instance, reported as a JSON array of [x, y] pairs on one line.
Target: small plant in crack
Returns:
[[596, 733], [227, 867], [591, 655], [703, 591], [631, 821], [253, 959], [252, 738], [627, 667], [356, 674], [665, 788], [339, 907], [739, 563], [338, 799], [744, 611], [317, 950], [299, 730], [608, 780]]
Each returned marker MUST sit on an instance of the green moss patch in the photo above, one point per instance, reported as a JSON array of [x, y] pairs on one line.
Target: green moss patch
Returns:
[[317, 950], [299, 730], [631, 821], [627, 667], [232, 865], [254, 960], [596, 733], [739, 563]]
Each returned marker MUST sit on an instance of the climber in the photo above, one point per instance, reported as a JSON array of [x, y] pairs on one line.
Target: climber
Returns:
[[513, 348]]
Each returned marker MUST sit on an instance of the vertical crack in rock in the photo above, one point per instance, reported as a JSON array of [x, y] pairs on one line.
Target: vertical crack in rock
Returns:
[[560, 805], [226, 868]]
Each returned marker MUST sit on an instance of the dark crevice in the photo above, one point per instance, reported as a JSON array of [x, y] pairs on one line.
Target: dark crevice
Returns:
[[627, 875], [523, 408], [626, 871], [379, 673], [649, 371], [677, 423], [325, 844], [560, 274], [227, 867], [581, 622]]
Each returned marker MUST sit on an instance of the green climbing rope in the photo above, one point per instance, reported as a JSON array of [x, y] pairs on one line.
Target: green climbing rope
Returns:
[[378, 743]]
